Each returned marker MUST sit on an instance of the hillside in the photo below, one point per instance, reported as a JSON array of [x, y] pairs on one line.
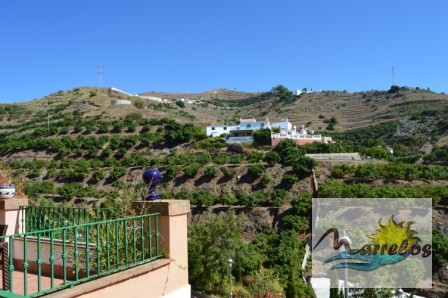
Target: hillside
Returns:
[[74, 147]]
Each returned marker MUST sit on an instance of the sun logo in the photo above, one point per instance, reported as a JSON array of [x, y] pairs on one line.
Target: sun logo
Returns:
[[393, 233]]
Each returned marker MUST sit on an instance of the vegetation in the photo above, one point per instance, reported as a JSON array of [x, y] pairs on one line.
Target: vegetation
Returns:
[[270, 262], [83, 155], [391, 171]]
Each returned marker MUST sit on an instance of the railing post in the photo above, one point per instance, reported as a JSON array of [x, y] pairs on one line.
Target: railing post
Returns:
[[11, 215], [172, 227]]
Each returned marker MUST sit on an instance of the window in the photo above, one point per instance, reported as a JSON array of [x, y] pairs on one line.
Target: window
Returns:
[[262, 125], [248, 125], [225, 127], [213, 128]]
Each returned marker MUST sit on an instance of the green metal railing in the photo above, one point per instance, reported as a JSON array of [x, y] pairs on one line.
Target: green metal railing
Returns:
[[71, 254], [38, 218]]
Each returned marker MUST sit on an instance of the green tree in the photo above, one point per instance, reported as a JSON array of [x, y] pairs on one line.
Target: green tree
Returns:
[[256, 170], [272, 158], [211, 243], [262, 137], [263, 281]]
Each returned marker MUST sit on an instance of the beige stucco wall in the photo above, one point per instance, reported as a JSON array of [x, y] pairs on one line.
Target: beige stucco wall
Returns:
[[275, 142], [158, 283], [11, 215]]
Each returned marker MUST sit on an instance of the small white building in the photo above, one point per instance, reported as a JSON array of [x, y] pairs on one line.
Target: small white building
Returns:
[[283, 125]]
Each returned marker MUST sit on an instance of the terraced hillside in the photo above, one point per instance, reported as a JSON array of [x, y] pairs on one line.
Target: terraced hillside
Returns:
[[74, 147]]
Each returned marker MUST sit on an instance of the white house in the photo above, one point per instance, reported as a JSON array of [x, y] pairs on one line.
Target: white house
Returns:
[[244, 132]]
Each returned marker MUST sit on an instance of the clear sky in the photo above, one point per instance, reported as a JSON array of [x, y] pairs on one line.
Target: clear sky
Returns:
[[198, 45]]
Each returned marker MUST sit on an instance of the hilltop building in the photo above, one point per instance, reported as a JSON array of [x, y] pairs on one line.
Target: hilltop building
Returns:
[[244, 132]]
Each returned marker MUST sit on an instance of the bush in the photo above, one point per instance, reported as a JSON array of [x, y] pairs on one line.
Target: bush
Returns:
[[172, 171], [97, 176], [272, 158], [279, 196], [255, 156], [236, 159], [394, 89], [203, 198], [117, 172], [262, 137], [440, 248], [210, 172], [227, 199], [303, 165], [296, 223], [139, 103], [180, 104], [288, 180], [220, 159], [229, 173], [265, 180], [302, 204], [191, 171], [256, 170]]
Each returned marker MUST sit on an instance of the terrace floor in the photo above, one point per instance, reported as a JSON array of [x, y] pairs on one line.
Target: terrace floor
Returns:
[[18, 282]]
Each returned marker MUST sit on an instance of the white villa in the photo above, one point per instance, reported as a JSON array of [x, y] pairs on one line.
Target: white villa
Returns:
[[244, 131]]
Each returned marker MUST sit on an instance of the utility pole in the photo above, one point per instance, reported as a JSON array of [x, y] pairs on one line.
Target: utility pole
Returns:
[[100, 79], [393, 75], [230, 262]]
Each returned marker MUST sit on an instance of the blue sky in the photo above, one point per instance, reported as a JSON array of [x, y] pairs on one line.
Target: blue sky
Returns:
[[198, 45]]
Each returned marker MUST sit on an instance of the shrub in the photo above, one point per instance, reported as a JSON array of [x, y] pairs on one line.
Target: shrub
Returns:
[[117, 172], [255, 156], [228, 172], [139, 103], [265, 180], [256, 170], [172, 171], [302, 204], [135, 116], [262, 137], [210, 172], [272, 158], [203, 198], [394, 89], [220, 159], [97, 176], [191, 171], [227, 199], [296, 223], [279, 196], [236, 159], [180, 104], [288, 180]]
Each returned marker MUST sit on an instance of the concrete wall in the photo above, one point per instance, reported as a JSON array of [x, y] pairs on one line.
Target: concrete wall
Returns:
[[118, 102], [335, 156], [276, 141]]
